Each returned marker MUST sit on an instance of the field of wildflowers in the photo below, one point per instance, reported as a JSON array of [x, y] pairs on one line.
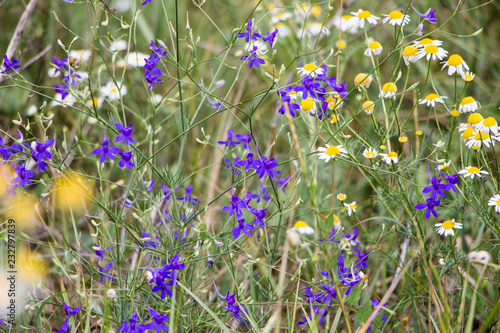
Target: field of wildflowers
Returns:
[[249, 166]]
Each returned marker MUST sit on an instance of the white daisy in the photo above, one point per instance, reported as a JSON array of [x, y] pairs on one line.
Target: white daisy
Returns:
[[118, 45], [432, 52], [347, 23], [328, 152], [480, 138], [432, 99], [310, 70], [446, 228], [281, 17], [468, 76], [83, 55], [334, 101], [283, 30], [136, 59], [391, 157], [341, 197], [396, 17], [368, 107], [426, 42], [303, 228], [374, 48], [472, 172], [316, 28], [363, 79], [308, 105], [488, 125], [443, 166], [388, 90], [455, 63], [410, 54], [468, 104], [95, 102], [370, 153], [112, 91], [495, 201], [364, 15], [68, 100], [351, 208], [336, 222]]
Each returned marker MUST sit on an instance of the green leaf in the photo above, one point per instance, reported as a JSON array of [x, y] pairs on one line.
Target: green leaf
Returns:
[[364, 312]]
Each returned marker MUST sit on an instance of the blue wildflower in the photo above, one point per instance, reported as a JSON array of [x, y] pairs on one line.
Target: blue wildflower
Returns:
[[131, 326], [103, 271], [125, 134], [69, 312], [237, 204], [106, 151], [270, 37], [250, 34], [249, 163], [266, 167], [23, 175], [158, 321], [242, 227], [126, 160], [253, 59], [428, 15], [429, 207], [10, 64], [188, 198], [41, 152]]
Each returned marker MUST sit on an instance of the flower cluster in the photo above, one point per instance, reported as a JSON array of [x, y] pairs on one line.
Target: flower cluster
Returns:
[[10, 64], [256, 44], [349, 276], [479, 132], [157, 323], [151, 73], [236, 310], [316, 93], [107, 151], [434, 190], [166, 277]]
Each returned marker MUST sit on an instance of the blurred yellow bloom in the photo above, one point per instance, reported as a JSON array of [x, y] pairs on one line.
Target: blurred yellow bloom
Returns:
[[71, 192]]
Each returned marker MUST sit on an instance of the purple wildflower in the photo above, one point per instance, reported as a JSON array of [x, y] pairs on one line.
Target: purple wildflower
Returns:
[[10, 64], [266, 167], [125, 134], [230, 142], [429, 207], [237, 204], [131, 326], [188, 198], [126, 160], [41, 151], [158, 321], [428, 15], [250, 34], [23, 175], [103, 271], [106, 151], [249, 163], [166, 192], [253, 59], [242, 227]]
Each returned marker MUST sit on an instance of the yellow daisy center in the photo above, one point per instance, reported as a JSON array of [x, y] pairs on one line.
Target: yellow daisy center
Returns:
[[353, 206], [455, 113], [310, 67], [473, 170], [307, 104], [467, 77], [396, 14], [374, 45], [468, 100], [368, 106], [489, 122], [340, 44], [481, 136], [341, 197], [410, 51], [316, 10], [332, 151], [392, 154], [431, 49], [389, 87], [113, 90], [455, 60], [474, 118], [364, 14], [337, 220], [403, 139], [362, 79], [292, 93], [419, 133], [370, 154], [448, 224], [300, 224], [333, 118], [431, 97], [347, 17], [498, 202], [468, 133], [426, 41]]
